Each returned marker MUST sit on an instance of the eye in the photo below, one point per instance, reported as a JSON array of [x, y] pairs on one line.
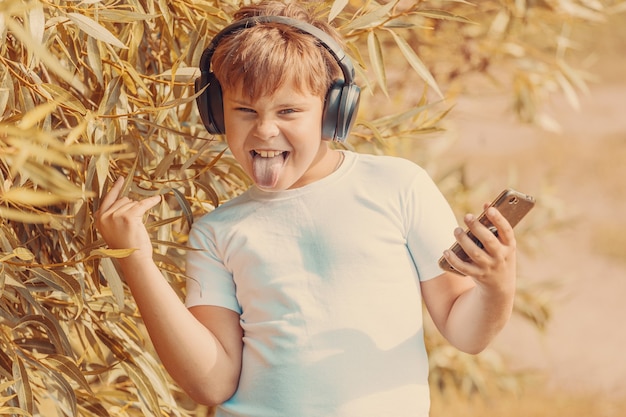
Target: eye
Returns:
[[244, 109], [288, 111]]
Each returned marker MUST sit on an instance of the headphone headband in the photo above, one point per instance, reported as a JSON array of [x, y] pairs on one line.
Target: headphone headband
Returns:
[[341, 102], [324, 38]]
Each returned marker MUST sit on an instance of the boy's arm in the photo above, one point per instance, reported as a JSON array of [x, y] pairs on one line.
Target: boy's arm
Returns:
[[470, 310], [200, 348]]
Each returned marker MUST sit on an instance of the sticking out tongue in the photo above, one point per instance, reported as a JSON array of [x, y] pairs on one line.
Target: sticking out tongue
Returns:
[[266, 170]]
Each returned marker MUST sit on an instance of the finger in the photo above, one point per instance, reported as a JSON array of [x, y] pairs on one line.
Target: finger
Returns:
[[137, 208], [479, 261], [472, 248], [148, 203], [487, 235], [454, 261], [505, 231], [112, 196], [463, 264]]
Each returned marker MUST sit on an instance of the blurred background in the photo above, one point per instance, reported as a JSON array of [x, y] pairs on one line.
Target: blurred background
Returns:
[[579, 172]]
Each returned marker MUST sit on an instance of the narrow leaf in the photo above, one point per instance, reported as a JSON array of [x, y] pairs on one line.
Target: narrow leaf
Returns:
[[10, 411], [111, 253], [144, 387], [124, 16], [36, 115], [184, 205], [377, 60], [43, 54], [336, 8], [95, 30], [371, 19], [24, 217], [443, 15], [416, 63], [210, 193], [36, 21], [65, 283], [64, 98], [67, 367], [23, 254], [22, 385], [27, 196], [114, 281]]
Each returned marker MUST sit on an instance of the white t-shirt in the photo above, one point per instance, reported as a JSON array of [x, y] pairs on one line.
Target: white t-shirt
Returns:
[[326, 279]]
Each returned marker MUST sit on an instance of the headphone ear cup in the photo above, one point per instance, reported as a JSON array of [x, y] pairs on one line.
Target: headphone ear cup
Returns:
[[210, 104], [348, 109], [331, 110], [342, 104]]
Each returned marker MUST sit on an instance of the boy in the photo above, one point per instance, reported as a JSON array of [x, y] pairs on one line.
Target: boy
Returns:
[[305, 296]]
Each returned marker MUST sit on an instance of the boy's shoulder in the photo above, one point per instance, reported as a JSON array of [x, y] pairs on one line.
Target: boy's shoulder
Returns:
[[389, 166], [387, 160]]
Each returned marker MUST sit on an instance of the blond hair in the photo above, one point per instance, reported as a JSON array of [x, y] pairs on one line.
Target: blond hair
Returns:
[[264, 57]]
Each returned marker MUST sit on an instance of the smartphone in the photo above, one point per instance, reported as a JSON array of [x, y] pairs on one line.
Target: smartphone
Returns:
[[512, 204]]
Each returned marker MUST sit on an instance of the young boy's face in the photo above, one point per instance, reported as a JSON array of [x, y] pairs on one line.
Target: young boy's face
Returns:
[[277, 139]]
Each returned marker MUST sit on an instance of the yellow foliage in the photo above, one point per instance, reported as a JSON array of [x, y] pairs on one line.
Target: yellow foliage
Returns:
[[90, 91]]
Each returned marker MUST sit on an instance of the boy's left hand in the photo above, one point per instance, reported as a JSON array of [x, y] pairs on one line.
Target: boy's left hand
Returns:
[[492, 266]]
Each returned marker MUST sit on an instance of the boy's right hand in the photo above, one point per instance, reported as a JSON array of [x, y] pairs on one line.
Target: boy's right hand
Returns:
[[120, 221]]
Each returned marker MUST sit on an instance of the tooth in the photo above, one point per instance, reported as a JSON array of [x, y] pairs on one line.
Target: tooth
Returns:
[[268, 154]]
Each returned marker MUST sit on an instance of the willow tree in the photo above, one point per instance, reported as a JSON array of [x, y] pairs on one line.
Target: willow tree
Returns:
[[93, 90]]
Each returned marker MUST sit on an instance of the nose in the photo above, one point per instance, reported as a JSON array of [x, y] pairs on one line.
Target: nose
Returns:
[[266, 128]]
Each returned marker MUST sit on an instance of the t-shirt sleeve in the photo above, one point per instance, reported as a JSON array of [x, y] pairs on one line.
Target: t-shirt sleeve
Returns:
[[208, 280], [430, 225]]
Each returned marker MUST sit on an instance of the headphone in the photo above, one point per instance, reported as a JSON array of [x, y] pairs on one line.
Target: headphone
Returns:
[[341, 102]]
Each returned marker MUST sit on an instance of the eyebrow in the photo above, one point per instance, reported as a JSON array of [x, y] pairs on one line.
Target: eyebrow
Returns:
[[281, 105]]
